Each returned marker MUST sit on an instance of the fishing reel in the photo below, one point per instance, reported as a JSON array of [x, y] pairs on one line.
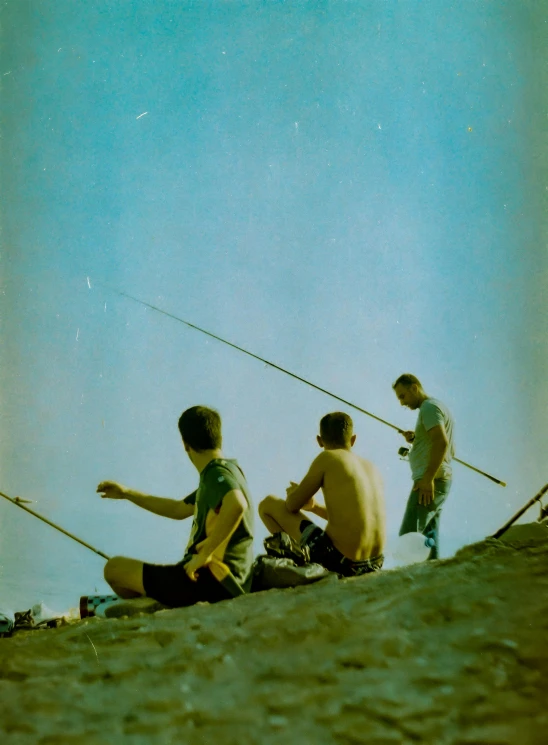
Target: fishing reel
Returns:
[[403, 453]]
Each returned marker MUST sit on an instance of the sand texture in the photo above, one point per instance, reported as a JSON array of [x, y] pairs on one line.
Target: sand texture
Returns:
[[453, 652]]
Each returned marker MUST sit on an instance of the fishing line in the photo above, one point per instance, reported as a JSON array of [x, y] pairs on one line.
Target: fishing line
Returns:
[[281, 369]]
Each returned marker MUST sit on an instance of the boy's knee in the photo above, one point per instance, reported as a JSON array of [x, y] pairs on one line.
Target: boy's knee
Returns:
[[268, 502], [112, 568]]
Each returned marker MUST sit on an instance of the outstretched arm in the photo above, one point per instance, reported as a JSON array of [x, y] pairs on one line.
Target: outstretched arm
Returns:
[[176, 509]]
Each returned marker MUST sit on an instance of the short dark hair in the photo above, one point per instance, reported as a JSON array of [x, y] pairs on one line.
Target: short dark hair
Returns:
[[200, 428], [336, 429], [407, 379]]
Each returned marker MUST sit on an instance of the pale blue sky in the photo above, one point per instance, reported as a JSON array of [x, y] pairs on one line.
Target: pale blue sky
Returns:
[[350, 190]]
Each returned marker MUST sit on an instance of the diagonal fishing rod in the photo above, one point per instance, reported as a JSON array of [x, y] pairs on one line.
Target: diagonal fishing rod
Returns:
[[17, 501], [523, 510], [281, 369]]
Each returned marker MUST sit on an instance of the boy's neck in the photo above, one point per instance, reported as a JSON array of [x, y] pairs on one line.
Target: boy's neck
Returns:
[[201, 460]]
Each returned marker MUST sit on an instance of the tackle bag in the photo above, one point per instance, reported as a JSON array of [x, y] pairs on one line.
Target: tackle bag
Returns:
[[286, 564]]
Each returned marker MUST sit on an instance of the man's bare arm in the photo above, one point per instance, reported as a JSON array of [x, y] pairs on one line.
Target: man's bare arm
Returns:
[[440, 443], [176, 509], [309, 486]]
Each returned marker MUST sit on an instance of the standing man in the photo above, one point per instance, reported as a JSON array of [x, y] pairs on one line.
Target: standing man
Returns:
[[430, 457], [353, 540], [219, 554]]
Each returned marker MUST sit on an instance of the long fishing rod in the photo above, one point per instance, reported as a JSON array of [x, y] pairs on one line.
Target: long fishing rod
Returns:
[[17, 501], [281, 369]]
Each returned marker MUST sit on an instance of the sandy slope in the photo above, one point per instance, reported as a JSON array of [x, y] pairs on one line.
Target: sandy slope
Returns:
[[449, 652]]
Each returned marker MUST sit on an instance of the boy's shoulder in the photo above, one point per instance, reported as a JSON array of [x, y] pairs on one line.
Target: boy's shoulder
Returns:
[[340, 455], [222, 464], [433, 407], [433, 403], [221, 470], [348, 459]]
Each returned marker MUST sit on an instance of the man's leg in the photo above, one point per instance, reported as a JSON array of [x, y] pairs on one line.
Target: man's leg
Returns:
[[410, 521], [424, 519], [277, 517], [125, 576], [432, 525]]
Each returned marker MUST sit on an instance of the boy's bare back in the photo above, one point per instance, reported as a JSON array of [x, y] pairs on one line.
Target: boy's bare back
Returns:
[[354, 499]]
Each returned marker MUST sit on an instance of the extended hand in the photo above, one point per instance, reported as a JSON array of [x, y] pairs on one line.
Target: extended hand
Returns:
[[409, 435], [198, 560], [425, 487], [112, 490]]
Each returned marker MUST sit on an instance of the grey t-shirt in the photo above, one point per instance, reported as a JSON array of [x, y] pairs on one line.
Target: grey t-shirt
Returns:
[[431, 413]]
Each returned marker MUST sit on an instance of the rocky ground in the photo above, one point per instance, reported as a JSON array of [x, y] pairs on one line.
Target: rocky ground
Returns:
[[453, 652]]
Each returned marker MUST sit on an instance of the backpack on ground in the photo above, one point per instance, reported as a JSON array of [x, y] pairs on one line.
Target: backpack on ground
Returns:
[[286, 564]]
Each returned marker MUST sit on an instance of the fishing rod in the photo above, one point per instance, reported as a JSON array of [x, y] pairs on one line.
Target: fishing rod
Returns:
[[522, 511], [19, 502], [281, 369]]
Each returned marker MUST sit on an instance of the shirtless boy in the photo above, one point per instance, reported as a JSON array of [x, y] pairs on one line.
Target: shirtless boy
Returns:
[[353, 540]]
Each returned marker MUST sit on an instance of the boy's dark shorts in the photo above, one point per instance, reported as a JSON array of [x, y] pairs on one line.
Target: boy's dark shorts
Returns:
[[322, 551], [170, 585]]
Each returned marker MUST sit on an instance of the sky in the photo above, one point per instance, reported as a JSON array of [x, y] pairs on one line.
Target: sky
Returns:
[[349, 190]]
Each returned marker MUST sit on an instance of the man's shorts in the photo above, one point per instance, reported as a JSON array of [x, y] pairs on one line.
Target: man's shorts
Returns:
[[322, 551], [170, 585]]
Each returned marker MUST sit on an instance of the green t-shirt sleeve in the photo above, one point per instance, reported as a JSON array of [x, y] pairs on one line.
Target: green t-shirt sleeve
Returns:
[[191, 498], [219, 481]]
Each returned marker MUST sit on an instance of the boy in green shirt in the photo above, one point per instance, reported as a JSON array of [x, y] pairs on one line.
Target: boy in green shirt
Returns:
[[218, 558]]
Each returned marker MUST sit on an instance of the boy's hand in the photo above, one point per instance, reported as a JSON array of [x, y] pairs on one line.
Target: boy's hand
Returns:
[[291, 488], [409, 435], [112, 490], [198, 561]]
